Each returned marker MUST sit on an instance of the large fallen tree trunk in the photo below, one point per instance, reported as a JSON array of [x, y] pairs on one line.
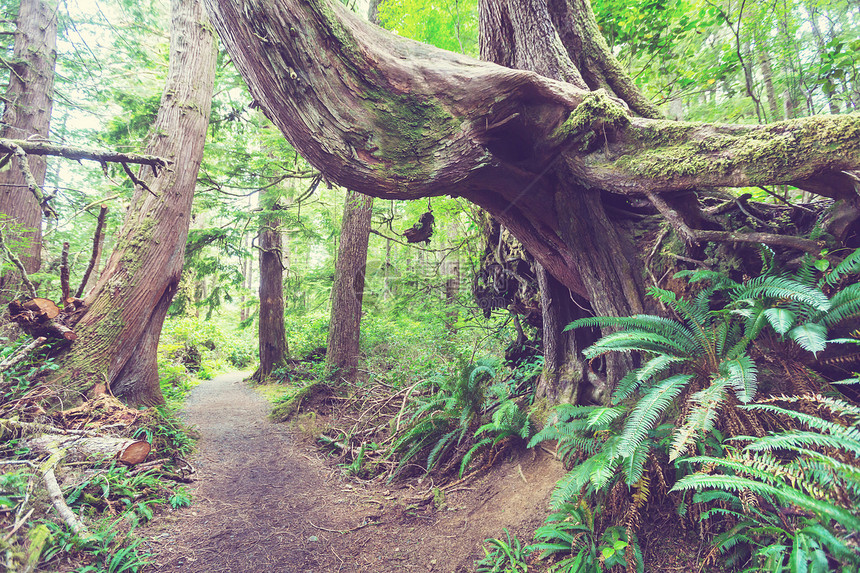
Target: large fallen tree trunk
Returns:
[[77, 445]]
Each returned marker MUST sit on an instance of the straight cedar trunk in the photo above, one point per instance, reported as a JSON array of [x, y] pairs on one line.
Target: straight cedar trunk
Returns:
[[29, 100], [342, 350], [118, 335], [272, 332], [540, 147]]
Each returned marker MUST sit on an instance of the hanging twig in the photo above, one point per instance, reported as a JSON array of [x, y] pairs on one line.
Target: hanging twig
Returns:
[[64, 275], [134, 178], [97, 239]]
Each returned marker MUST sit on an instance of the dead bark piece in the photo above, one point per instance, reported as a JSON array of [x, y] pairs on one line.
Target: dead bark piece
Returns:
[[36, 317], [35, 309], [85, 448]]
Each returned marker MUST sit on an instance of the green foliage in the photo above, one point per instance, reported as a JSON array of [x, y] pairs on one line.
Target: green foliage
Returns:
[[447, 25], [508, 422], [180, 498], [503, 556], [803, 469], [110, 548], [193, 348], [16, 381], [569, 537], [442, 419], [709, 347]]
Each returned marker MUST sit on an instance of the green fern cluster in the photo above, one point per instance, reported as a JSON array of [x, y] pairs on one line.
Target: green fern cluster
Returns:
[[805, 504], [570, 537], [508, 421], [708, 349], [441, 421]]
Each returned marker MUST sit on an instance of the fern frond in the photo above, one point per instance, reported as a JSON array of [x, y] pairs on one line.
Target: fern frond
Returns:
[[633, 466], [603, 417], [848, 433], [628, 384], [643, 322], [467, 459], [786, 494], [782, 288], [780, 319], [718, 279], [635, 340], [806, 274], [701, 418], [440, 448], [648, 410], [810, 336], [794, 440], [739, 466], [849, 265], [741, 374], [845, 306], [697, 318], [836, 546]]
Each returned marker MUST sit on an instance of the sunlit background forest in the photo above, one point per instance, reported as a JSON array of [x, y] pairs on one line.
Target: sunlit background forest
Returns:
[[700, 61], [436, 311]]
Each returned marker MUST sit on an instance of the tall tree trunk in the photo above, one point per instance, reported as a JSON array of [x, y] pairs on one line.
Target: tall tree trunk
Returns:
[[272, 333], [344, 327], [767, 76], [118, 335], [563, 369], [29, 100], [609, 270]]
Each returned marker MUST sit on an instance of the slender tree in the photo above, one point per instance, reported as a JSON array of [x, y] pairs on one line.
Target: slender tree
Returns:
[[272, 333], [29, 100], [342, 350], [118, 334]]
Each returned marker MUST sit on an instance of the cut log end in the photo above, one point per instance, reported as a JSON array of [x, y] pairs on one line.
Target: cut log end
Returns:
[[134, 453]]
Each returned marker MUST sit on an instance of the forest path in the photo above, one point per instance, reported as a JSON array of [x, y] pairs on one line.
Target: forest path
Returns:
[[264, 501]]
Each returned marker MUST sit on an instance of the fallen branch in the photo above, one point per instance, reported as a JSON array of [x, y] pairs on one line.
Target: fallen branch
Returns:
[[78, 153], [56, 495], [129, 452], [21, 354]]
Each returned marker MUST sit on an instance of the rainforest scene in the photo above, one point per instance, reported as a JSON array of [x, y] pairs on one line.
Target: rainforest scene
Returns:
[[455, 286]]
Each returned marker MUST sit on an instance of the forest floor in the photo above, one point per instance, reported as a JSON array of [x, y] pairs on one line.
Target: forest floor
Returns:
[[265, 499]]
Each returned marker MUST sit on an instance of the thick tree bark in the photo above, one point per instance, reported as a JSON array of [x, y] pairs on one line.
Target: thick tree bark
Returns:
[[396, 119], [118, 335], [272, 332], [29, 100], [342, 351]]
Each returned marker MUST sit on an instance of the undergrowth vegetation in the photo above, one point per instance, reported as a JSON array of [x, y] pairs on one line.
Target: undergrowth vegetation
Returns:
[[109, 499], [728, 420]]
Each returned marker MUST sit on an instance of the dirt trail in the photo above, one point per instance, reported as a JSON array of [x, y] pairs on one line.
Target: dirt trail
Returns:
[[265, 501]]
